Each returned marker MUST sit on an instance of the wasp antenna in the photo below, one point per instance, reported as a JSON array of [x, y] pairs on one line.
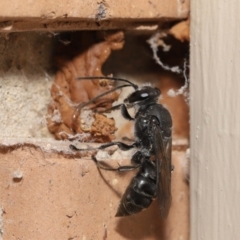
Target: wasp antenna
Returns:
[[109, 78], [101, 95]]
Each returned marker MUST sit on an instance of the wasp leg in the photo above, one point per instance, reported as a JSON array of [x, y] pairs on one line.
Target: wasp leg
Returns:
[[124, 111], [117, 107], [137, 161], [119, 169], [121, 145]]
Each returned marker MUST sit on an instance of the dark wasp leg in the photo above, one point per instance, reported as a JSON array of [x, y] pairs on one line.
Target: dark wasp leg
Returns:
[[136, 163], [117, 107], [121, 145], [119, 169], [125, 113], [123, 108]]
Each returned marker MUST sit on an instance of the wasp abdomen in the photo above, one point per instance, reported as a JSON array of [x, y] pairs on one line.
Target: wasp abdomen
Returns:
[[140, 192]]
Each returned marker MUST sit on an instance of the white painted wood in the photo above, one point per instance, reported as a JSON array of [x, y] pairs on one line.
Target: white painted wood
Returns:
[[215, 120]]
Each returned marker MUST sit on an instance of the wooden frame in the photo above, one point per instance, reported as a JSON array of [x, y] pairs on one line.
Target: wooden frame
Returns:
[[215, 110]]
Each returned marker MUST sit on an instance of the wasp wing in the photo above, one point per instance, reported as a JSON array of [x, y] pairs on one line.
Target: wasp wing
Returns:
[[162, 148]]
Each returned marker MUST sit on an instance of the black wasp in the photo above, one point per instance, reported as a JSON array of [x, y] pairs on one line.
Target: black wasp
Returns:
[[153, 133]]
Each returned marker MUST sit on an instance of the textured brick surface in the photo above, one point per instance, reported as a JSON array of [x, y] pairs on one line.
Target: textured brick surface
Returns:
[[66, 15], [47, 196], [93, 9]]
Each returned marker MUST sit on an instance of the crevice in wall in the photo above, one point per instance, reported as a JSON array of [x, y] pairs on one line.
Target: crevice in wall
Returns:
[[26, 80]]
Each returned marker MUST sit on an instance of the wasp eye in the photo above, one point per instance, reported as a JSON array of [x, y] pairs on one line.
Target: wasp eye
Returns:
[[143, 95]]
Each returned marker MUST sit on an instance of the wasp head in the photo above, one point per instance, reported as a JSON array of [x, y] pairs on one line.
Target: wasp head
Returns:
[[143, 96]]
